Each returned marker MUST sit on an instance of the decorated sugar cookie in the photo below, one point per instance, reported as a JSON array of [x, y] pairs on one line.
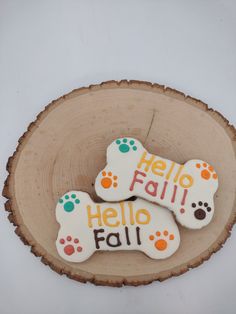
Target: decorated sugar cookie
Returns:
[[187, 190], [86, 227]]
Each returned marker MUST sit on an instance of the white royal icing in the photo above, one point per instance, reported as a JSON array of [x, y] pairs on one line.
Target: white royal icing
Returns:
[[187, 190], [86, 227]]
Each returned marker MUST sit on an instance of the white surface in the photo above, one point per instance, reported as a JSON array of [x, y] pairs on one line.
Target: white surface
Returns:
[[47, 48], [75, 224], [136, 169]]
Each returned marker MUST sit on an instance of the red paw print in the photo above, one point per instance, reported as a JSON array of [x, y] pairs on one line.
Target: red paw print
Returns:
[[71, 245]]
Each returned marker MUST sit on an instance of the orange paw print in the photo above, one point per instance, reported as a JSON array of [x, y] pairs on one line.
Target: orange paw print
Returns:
[[108, 180], [161, 244], [207, 171]]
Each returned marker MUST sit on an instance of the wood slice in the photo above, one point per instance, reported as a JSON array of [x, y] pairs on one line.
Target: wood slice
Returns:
[[64, 149]]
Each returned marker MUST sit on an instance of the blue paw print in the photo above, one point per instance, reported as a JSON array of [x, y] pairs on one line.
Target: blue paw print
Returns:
[[69, 202], [125, 146]]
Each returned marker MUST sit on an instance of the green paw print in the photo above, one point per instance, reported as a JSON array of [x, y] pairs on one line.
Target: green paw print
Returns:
[[125, 146], [69, 202]]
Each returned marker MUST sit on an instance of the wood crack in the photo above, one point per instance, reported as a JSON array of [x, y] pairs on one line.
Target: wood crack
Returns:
[[150, 126]]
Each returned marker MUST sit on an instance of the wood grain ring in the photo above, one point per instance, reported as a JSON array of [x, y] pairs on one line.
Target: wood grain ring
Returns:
[[64, 149]]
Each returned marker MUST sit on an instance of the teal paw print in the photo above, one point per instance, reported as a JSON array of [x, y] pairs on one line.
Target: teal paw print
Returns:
[[69, 202], [125, 146]]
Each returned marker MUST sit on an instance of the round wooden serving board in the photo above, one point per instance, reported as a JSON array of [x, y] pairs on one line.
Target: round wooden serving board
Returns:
[[65, 148]]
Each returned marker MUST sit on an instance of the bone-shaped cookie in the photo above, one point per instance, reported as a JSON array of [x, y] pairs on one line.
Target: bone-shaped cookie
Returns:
[[86, 227], [187, 190]]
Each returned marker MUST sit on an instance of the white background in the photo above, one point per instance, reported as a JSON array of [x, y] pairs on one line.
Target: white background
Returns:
[[48, 48]]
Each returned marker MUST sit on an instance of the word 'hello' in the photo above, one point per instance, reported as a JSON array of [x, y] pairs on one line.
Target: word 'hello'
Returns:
[[112, 217], [159, 168]]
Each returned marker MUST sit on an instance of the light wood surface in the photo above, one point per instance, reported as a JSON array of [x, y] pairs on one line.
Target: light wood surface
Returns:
[[64, 149]]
